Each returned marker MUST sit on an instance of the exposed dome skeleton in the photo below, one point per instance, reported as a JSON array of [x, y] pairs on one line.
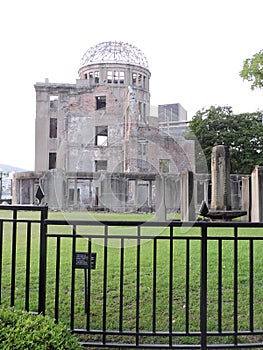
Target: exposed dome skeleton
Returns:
[[114, 52]]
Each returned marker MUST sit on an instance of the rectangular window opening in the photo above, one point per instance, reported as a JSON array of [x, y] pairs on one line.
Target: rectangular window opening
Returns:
[[97, 77], [164, 165], [109, 77], [142, 148], [52, 160], [115, 77], [140, 110], [53, 101], [121, 77], [101, 137], [100, 102], [144, 81], [134, 78], [53, 128], [100, 165], [71, 194], [139, 80]]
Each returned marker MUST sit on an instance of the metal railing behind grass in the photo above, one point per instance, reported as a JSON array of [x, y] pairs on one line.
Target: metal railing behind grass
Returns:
[[15, 283], [160, 285], [133, 284]]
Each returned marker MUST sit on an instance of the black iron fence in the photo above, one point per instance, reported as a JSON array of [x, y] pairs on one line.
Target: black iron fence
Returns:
[[137, 284]]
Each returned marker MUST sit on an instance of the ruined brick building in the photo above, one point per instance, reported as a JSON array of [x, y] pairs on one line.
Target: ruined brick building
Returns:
[[98, 142]]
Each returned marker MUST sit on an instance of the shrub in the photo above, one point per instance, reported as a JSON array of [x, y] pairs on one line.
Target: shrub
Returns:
[[23, 330]]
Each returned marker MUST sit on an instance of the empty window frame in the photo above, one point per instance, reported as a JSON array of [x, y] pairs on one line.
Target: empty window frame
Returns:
[[139, 80], [115, 77], [142, 148], [100, 165], [101, 136], [71, 194], [52, 160], [121, 77], [134, 78], [144, 81], [53, 101], [140, 111], [53, 128], [97, 77], [100, 102], [164, 165], [109, 77]]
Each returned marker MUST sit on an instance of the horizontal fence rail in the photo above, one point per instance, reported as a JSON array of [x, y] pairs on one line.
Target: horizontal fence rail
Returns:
[[134, 284]]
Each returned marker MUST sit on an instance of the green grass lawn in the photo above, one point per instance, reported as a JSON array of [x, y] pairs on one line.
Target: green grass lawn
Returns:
[[182, 307]]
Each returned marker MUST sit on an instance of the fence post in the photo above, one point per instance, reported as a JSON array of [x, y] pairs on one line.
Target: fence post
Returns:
[[203, 292], [42, 261]]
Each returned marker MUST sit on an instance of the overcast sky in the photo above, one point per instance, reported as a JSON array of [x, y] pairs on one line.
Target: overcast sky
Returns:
[[195, 50]]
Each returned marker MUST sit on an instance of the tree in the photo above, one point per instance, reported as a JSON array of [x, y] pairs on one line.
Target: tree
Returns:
[[242, 134], [253, 70]]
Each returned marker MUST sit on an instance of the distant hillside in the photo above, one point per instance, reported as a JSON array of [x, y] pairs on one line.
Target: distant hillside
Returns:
[[9, 168]]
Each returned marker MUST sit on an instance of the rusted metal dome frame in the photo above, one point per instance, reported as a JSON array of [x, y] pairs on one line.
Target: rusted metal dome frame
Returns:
[[114, 52]]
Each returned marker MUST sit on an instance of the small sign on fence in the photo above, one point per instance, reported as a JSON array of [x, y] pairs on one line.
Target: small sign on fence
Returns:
[[83, 260]]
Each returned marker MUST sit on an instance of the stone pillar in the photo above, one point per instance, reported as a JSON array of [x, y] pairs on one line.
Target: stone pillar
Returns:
[[246, 197], [160, 198], [20, 191], [150, 199], [113, 192], [136, 203], [75, 193], [187, 196], [220, 175], [206, 185], [15, 190], [53, 184], [172, 192], [32, 199], [142, 194], [256, 194]]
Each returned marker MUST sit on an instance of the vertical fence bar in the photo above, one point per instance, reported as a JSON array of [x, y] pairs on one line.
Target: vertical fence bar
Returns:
[[121, 285], [42, 261], [187, 286], [57, 279], [105, 276], [203, 292], [154, 284], [138, 268], [87, 275], [28, 248], [13, 267], [171, 289], [235, 285], [1, 258], [72, 302], [251, 284], [220, 267]]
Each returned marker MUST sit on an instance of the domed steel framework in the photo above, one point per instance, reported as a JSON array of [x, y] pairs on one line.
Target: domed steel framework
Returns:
[[114, 52]]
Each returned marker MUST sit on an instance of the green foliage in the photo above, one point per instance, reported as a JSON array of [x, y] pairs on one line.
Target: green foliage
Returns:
[[253, 70], [242, 134], [22, 330]]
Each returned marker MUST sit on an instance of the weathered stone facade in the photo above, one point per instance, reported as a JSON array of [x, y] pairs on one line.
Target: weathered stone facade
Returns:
[[99, 136]]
